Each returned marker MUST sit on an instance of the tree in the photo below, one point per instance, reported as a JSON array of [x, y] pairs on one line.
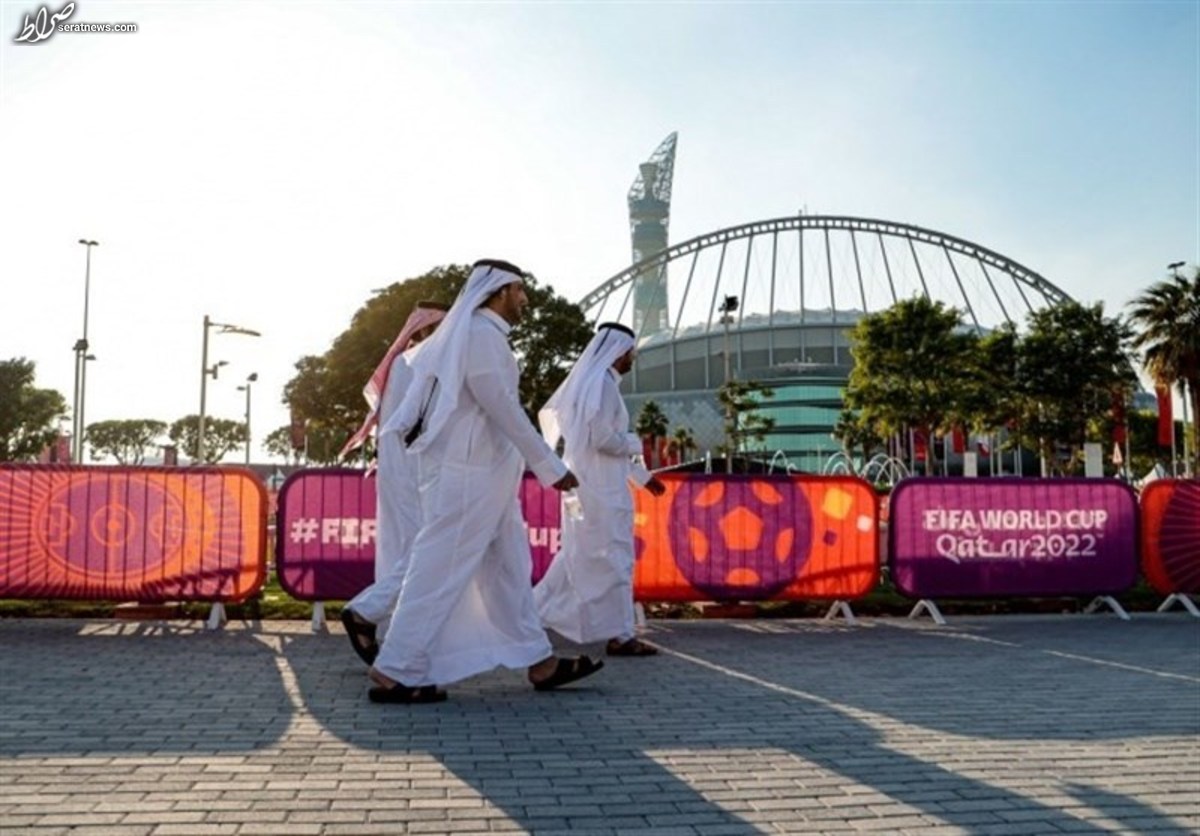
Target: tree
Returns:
[[221, 437], [327, 390], [125, 441], [28, 415], [913, 363], [1070, 366], [651, 421], [1167, 318], [739, 401], [684, 441], [279, 444], [857, 436]]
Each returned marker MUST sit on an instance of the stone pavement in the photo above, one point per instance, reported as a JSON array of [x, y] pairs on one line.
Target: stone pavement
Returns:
[[998, 725]]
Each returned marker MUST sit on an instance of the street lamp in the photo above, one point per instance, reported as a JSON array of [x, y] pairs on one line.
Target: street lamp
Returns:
[[205, 371], [81, 347], [1174, 267], [253, 376], [728, 305]]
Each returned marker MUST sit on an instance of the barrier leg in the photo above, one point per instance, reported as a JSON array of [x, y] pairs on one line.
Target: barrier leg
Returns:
[[1179, 598], [1110, 602], [216, 617], [318, 622], [840, 608], [928, 606]]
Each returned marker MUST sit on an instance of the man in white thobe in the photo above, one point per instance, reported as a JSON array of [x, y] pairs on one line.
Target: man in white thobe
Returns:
[[466, 605], [397, 505], [587, 593]]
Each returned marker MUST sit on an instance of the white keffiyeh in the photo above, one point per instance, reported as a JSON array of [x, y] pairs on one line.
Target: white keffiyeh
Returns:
[[570, 410]]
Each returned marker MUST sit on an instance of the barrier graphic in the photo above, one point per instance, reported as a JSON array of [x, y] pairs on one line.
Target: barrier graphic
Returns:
[[325, 542], [1027, 537], [146, 534], [718, 537], [1171, 535]]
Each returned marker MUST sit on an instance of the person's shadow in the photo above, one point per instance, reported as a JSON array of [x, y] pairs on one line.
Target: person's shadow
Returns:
[[137, 688], [736, 727]]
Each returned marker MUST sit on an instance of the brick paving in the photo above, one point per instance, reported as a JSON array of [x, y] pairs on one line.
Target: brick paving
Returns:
[[1000, 725]]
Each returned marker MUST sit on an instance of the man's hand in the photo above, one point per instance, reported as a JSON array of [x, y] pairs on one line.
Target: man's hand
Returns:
[[655, 486], [567, 483]]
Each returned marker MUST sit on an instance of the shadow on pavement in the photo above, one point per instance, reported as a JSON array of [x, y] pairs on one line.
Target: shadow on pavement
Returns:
[[136, 688], [704, 732]]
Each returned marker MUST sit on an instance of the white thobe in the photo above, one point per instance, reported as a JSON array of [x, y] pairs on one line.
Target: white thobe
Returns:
[[466, 605], [397, 505], [587, 593]]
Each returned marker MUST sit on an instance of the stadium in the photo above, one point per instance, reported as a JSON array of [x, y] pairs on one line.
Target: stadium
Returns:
[[772, 301]]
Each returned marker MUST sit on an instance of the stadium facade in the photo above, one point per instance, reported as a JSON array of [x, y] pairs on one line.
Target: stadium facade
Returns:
[[774, 300]]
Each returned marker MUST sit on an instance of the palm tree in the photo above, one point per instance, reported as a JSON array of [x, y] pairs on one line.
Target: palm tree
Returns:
[[684, 441], [1167, 315], [652, 423]]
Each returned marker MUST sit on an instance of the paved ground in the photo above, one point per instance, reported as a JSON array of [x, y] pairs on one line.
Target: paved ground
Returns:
[[1001, 725]]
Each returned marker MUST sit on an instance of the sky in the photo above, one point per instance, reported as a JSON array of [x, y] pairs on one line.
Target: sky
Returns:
[[271, 164]]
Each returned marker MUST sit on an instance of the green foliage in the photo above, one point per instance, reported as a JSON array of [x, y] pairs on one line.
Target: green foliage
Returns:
[[221, 436], [651, 421], [28, 415], [1167, 318], [279, 444], [914, 365], [857, 436], [1070, 366], [326, 391], [683, 440], [739, 401], [125, 441]]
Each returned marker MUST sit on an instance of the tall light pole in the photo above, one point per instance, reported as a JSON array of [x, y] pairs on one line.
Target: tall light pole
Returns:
[[253, 376], [1183, 394], [81, 349], [205, 371], [728, 305]]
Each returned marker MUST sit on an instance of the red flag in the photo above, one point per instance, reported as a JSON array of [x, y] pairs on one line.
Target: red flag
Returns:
[[958, 440], [1118, 416], [1166, 420]]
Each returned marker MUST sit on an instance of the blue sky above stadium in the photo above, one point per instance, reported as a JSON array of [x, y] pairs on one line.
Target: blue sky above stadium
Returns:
[[269, 164]]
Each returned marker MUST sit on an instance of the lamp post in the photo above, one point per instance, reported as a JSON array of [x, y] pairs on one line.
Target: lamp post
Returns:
[[205, 371], [728, 305], [81, 348], [253, 376]]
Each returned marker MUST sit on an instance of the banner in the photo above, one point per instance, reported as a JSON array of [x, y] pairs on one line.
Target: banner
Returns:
[[325, 531], [1166, 417], [149, 534], [1022, 537], [709, 538], [1171, 535], [717, 537]]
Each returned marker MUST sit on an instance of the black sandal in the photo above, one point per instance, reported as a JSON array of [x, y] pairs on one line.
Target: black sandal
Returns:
[[406, 695], [362, 635], [569, 670]]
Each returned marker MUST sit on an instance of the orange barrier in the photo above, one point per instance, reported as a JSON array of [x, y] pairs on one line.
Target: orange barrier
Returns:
[[718, 537], [148, 534], [1170, 510]]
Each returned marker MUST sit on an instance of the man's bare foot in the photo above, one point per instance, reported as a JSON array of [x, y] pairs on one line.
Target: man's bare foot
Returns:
[[542, 670], [379, 679]]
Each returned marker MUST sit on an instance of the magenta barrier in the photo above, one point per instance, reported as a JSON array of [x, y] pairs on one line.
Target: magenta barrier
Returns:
[[149, 534], [325, 535], [1021, 537]]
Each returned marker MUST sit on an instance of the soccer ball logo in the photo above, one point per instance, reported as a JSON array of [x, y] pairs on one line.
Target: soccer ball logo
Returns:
[[740, 538]]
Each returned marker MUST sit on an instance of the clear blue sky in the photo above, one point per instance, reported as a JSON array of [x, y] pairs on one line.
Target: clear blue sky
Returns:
[[269, 164]]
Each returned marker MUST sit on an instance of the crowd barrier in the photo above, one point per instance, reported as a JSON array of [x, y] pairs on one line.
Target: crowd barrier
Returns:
[[154, 534], [706, 538], [1170, 512], [147, 534], [972, 538]]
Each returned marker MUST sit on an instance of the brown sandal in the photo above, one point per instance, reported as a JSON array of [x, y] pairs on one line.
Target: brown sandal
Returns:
[[632, 647]]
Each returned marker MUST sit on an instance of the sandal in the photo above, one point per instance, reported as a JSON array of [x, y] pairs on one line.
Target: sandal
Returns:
[[632, 647], [362, 635], [406, 695], [569, 670]]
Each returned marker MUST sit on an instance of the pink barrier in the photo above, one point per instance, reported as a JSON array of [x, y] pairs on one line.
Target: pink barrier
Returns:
[[148, 534], [1021, 537], [325, 536]]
